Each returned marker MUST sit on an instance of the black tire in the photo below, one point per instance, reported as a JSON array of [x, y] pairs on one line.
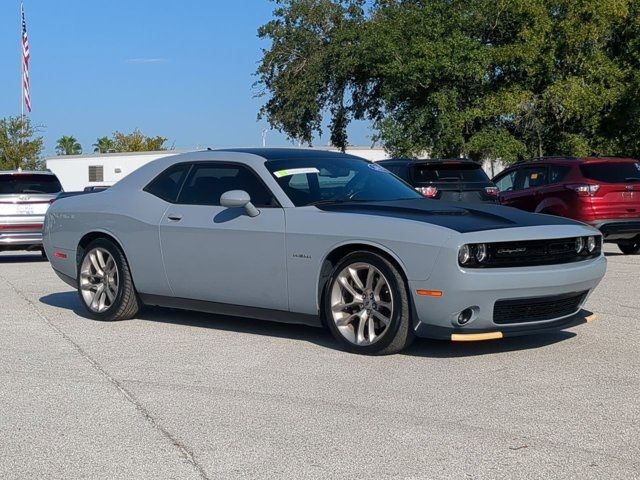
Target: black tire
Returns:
[[126, 303], [44, 254], [630, 247], [399, 333]]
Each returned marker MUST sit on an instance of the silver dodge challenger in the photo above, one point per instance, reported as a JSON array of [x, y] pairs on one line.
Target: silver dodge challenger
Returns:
[[324, 239]]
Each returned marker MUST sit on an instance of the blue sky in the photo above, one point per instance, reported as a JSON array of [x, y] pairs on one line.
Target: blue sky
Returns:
[[182, 70]]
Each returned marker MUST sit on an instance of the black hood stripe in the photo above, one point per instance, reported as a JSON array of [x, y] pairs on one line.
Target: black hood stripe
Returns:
[[454, 216]]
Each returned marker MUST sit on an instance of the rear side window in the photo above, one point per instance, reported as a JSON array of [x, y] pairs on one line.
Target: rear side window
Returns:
[[557, 173], [448, 173], [167, 185], [29, 183], [612, 172]]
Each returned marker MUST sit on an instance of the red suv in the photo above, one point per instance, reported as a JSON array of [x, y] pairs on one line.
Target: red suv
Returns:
[[603, 192]]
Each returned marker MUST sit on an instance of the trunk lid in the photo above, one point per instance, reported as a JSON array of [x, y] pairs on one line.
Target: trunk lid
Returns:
[[619, 193], [455, 181], [25, 197]]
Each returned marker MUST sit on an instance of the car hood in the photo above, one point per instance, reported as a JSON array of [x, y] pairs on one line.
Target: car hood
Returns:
[[462, 218]]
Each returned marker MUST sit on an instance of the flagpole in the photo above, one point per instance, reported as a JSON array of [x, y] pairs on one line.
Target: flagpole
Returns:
[[21, 67]]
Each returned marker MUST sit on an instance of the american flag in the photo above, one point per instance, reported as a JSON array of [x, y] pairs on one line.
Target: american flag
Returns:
[[26, 89]]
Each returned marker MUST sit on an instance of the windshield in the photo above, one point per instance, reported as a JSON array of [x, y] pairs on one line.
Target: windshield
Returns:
[[612, 172], [310, 181], [465, 172], [29, 183]]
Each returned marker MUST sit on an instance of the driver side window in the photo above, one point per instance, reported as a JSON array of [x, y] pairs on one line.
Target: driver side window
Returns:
[[208, 181], [506, 183]]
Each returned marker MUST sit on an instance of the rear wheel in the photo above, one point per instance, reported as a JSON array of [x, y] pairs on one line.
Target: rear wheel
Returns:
[[366, 305], [105, 286], [630, 247]]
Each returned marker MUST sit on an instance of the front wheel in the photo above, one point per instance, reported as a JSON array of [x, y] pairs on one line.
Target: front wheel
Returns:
[[630, 247], [105, 285], [366, 305]]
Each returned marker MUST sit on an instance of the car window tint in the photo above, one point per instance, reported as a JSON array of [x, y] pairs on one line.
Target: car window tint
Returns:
[[611, 172], [207, 182], [29, 183], [342, 179], [531, 177], [167, 185], [454, 172], [506, 182], [557, 173]]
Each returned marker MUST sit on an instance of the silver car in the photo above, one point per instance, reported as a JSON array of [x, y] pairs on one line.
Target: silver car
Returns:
[[24, 200], [320, 238]]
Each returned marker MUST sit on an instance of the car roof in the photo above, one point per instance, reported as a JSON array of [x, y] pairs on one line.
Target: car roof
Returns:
[[271, 154], [574, 160], [427, 161]]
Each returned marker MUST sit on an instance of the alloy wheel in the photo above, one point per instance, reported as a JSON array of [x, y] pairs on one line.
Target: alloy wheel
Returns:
[[361, 303], [99, 280]]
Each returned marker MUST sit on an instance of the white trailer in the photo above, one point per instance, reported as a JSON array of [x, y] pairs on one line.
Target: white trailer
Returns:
[[76, 172]]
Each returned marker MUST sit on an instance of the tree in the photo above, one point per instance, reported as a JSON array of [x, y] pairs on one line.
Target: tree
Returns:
[[68, 145], [103, 145], [136, 141], [484, 78], [307, 70], [19, 145]]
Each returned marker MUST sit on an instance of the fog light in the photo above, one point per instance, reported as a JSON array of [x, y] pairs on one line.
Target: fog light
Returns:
[[465, 316], [579, 244], [464, 254], [591, 244]]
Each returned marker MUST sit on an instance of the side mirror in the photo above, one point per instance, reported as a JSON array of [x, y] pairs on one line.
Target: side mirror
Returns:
[[239, 199]]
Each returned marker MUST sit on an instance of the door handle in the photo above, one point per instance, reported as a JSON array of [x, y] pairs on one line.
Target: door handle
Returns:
[[174, 217]]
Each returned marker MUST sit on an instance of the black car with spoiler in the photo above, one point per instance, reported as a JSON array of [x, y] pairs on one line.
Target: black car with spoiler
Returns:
[[453, 180]]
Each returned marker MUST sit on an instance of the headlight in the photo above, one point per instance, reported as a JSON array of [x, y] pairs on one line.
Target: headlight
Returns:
[[579, 244], [481, 252], [464, 254], [591, 244]]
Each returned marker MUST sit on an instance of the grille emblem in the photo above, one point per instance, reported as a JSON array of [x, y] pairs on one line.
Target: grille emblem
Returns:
[[510, 251], [629, 187]]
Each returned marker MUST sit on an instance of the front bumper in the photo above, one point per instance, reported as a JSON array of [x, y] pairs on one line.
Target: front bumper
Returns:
[[476, 335], [480, 289]]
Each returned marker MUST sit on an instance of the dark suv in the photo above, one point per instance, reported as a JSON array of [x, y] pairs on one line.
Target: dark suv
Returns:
[[603, 192], [454, 180]]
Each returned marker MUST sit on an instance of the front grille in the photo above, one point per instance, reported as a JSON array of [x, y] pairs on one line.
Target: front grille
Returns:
[[535, 252], [523, 310]]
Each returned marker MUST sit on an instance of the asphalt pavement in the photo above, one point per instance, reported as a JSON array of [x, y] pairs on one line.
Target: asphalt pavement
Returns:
[[182, 395]]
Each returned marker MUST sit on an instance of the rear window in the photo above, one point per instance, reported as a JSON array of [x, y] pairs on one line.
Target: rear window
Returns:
[[29, 183], [466, 172], [612, 172]]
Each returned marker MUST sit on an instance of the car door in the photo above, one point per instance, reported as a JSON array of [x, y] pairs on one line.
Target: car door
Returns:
[[219, 254], [530, 183], [526, 182], [552, 197]]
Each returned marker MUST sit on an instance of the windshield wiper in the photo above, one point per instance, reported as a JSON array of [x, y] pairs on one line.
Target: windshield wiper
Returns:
[[632, 179], [27, 190]]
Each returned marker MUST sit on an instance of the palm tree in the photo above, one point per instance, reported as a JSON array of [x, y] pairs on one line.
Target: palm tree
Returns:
[[68, 145], [103, 145]]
